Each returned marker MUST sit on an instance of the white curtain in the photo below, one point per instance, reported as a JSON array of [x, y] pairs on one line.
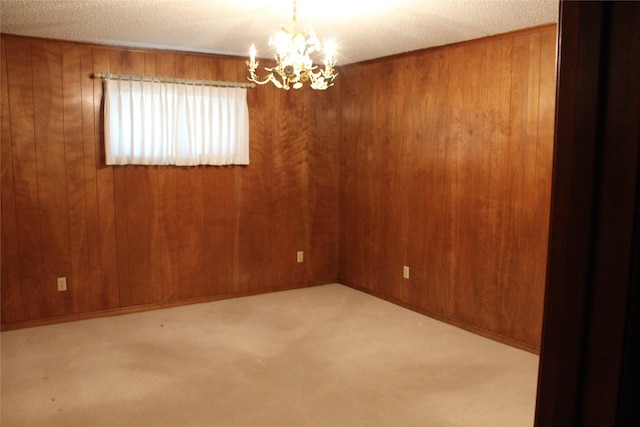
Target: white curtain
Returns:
[[150, 123]]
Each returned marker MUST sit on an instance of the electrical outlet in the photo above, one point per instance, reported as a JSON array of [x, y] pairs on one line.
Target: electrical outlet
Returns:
[[62, 284], [300, 256], [405, 272]]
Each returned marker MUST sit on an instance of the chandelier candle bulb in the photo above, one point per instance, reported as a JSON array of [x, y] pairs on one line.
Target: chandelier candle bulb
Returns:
[[330, 50], [252, 53]]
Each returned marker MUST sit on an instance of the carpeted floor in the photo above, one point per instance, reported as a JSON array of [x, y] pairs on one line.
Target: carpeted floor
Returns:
[[320, 356]]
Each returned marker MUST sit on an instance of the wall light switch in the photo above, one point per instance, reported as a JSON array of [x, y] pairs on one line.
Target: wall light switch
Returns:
[[62, 284], [405, 272], [300, 256]]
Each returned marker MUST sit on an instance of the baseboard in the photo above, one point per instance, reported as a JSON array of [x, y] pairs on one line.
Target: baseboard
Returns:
[[8, 326], [455, 322], [146, 307]]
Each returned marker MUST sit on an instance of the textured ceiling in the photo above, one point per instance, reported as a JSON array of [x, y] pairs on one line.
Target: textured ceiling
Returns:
[[361, 29]]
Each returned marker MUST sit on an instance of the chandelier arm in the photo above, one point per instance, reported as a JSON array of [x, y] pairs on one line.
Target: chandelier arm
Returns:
[[263, 82], [254, 78]]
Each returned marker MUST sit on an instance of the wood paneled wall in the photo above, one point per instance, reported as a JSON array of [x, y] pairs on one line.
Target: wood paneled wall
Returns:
[[439, 160], [147, 236], [446, 159]]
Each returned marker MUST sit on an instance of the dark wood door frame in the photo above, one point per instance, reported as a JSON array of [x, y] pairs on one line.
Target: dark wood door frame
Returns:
[[589, 353]]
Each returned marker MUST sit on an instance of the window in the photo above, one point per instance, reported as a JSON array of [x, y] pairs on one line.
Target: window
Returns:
[[152, 123]]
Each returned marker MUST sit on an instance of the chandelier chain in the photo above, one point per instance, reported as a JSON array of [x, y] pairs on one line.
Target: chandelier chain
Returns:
[[295, 11]]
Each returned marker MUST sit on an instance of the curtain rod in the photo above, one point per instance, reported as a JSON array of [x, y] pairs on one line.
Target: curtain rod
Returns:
[[109, 76]]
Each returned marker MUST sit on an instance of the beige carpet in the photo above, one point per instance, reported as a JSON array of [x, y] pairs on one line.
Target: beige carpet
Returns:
[[321, 356]]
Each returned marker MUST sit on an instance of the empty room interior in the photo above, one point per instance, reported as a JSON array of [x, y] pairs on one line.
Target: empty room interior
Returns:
[[380, 258]]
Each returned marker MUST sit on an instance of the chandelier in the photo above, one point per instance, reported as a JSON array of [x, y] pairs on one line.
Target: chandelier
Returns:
[[294, 65]]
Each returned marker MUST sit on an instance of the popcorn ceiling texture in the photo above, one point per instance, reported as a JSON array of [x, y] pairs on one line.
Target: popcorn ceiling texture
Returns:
[[362, 30]]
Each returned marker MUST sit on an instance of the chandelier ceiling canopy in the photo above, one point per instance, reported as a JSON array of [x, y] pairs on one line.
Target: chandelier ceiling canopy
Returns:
[[294, 53]]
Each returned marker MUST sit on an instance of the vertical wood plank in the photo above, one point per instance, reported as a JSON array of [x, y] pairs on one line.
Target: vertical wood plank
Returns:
[[51, 175], [372, 172], [392, 145], [513, 302], [21, 100], [94, 295], [218, 202], [193, 279], [105, 193], [354, 120], [454, 167], [120, 203], [232, 178], [80, 279], [322, 148], [545, 141], [532, 229], [411, 110], [491, 211], [12, 300], [168, 208], [471, 168], [141, 188], [255, 208], [421, 170], [444, 249], [155, 293], [499, 183], [289, 178]]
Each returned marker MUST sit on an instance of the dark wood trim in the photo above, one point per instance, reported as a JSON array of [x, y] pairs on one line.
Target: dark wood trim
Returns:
[[449, 320], [629, 393], [147, 307], [593, 216]]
